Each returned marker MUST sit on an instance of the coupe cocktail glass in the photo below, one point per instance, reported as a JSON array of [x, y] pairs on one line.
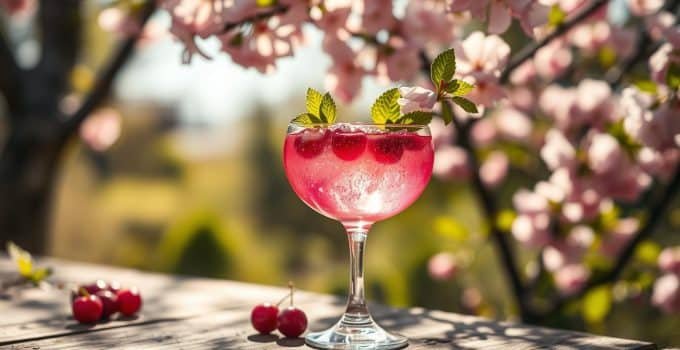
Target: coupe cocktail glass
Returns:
[[357, 174]]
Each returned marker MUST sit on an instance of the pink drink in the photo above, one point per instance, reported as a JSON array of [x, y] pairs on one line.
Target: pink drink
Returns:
[[357, 174]]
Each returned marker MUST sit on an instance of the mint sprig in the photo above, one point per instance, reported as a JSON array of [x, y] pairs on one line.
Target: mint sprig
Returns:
[[321, 109], [385, 109], [448, 89]]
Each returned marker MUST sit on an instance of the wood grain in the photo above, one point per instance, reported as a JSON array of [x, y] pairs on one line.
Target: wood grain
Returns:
[[198, 313]]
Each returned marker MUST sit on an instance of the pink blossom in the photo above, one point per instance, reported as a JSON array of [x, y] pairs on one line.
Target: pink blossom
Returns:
[[427, 21], [571, 278], [401, 65], [416, 99], [553, 59], [487, 91], [334, 21], [101, 129], [659, 163], [656, 129], [532, 230], [522, 98], [494, 169], [581, 205], [558, 152], [527, 202], [658, 24], [623, 41], [442, 266], [375, 15], [479, 53], [590, 36], [661, 60], [605, 155], [451, 163], [513, 124], [483, 132], [530, 13], [556, 102], [524, 74], [442, 134], [569, 250], [644, 7], [666, 293], [616, 238], [345, 75], [669, 260]]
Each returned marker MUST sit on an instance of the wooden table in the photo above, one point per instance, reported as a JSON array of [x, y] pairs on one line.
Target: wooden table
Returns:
[[199, 313]]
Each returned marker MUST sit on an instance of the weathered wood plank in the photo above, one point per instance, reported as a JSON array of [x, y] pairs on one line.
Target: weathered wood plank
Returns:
[[196, 313]]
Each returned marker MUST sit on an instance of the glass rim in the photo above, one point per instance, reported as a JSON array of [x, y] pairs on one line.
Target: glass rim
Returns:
[[359, 123]]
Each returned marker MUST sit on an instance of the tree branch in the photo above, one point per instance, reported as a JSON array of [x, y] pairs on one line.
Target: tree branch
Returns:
[[657, 212], [105, 79], [276, 10], [646, 46], [10, 79], [530, 50], [490, 209]]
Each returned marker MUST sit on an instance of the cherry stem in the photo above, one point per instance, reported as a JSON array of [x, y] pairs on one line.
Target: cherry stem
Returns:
[[292, 291], [83, 292], [283, 299]]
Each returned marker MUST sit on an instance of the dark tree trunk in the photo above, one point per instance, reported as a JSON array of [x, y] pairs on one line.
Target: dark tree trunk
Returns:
[[28, 168]]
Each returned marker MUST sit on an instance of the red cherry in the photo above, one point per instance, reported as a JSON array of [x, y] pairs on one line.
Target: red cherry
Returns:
[[114, 287], [292, 322], [87, 309], [414, 142], [263, 318], [348, 146], [109, 301], [387, 149], [98, 285], [311, 142], [129, 301]]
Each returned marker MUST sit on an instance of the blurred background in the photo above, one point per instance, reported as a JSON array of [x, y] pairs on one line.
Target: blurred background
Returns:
[[183, 174]]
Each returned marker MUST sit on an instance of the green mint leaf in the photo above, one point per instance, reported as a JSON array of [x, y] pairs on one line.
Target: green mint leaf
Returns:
[[673, 76], [313, 102], [386, 109], [40, 274], [327, 109], [307, 119], [416, 117], [443, 67], [458, 87], [465, 104], [447, 112], [22, 259]]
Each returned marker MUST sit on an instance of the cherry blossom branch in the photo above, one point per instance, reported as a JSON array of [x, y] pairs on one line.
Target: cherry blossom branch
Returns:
[[490, 209], [656, 214], [530, 50], [10, 79], [646, 46], [105, 79], [276, 10]]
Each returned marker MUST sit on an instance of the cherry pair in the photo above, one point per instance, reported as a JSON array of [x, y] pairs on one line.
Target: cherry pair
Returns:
[[99, 300], [291, 321]]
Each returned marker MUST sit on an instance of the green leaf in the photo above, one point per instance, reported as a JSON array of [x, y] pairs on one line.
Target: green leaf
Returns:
[[596, 304], [646, 85], [443, 67], [307, 119], [647, 252], [327, 109], [556, 16], [40, 274], [313, 102], [386, 109], [673, 76], [21, 258], [447, 112], [450, 228], [416, 117], [458, 87], [465, 104]]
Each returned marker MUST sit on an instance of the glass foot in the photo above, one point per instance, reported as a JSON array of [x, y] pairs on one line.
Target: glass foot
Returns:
[[355, 333]]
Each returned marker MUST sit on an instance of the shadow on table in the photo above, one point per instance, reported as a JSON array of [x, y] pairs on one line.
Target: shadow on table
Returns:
[[441, 330]]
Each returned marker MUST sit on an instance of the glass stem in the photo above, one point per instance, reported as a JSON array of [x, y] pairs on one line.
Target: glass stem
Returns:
[[357, 312]]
